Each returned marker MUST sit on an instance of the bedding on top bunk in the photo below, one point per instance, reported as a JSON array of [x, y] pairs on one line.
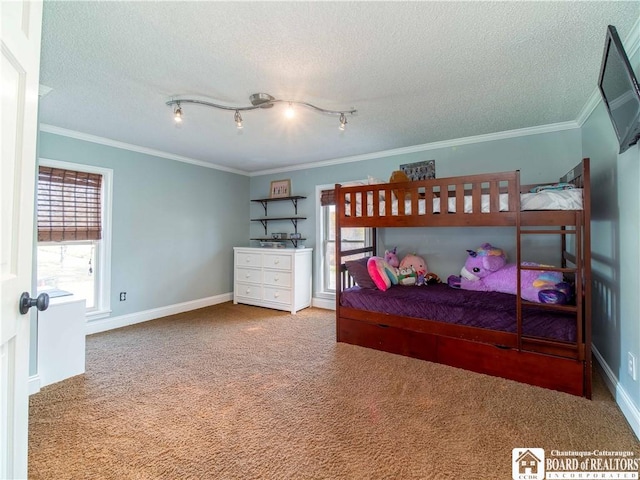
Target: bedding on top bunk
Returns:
[[569, 199], [491, 310]]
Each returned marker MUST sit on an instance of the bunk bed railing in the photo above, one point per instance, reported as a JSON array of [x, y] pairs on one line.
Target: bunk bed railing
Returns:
[[455, 201]]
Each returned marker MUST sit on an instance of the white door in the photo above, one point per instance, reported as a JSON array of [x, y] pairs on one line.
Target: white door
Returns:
[[20, 42]]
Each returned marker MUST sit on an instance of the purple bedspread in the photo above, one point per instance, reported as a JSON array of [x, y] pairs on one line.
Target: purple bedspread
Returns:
[[492, 310]]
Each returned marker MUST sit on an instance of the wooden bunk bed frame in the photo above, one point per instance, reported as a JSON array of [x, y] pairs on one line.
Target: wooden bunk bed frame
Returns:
[[547, 363]]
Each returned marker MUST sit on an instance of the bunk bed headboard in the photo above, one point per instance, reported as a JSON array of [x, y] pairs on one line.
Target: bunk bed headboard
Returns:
[[578, 175]]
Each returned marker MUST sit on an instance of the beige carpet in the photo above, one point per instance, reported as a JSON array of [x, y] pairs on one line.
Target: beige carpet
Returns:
[[237, 392]]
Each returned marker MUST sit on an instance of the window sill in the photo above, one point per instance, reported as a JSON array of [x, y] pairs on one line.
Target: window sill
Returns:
[[326, 295]]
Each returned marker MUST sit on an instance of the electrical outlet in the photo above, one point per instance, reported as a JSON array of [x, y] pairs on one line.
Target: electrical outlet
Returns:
[[631, 367], [123, 296]]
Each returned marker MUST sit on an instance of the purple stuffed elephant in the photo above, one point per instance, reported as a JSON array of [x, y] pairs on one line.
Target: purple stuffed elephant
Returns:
[[487, 270]]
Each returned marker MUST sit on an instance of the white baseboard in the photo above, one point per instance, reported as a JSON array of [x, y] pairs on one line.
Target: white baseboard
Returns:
[[105, 324], [34, 384], [328, 304], [629, 409]]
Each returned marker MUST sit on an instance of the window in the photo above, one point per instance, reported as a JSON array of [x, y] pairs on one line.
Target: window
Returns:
[[352, 238], [73, 224]]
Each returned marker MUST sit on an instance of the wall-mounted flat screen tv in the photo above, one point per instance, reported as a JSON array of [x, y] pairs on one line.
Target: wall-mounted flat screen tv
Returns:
[[619, 87]]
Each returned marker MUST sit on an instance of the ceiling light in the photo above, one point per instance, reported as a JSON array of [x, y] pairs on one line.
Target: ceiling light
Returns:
[[177, 113], [290, 113], [343, 122], [258, 101]]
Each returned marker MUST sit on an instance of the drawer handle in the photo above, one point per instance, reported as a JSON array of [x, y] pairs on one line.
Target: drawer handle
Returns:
[[248, 275], [276, 278], [276, 261], [276, 295], [247, 260], [248, 291]]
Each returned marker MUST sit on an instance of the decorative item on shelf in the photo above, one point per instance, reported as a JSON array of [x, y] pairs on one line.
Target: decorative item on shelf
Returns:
[[280, 189], [258, 101], [420, 170], [279, 236], [295, 236], [267, 244]]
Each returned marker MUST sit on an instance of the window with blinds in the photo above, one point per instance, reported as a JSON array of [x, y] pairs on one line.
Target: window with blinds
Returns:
[[69, 205], [327, 197]]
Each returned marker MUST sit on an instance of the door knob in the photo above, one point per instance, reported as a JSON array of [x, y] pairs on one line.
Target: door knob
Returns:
[[26, 302]]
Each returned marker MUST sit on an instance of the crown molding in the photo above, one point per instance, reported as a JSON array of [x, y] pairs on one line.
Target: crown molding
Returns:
[[522, 132], [490, 137], [134, 148]]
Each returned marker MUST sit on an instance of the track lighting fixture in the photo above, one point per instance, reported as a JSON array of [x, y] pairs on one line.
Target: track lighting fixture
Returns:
[[238, 119], [343, 122], [177, 113], [258, 101], [290, 113]]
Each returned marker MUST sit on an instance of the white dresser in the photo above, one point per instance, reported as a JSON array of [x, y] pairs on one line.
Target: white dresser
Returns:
[[273, 278]]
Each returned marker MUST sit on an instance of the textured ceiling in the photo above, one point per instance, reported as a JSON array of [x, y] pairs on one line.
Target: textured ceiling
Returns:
[[418, 72]]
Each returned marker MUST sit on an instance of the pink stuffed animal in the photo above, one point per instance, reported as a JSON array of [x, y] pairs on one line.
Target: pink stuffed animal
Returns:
[[487, 270], [414, 261], [417, 264]]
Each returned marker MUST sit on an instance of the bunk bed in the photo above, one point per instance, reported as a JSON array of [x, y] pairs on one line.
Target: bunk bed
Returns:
[[503, 335]]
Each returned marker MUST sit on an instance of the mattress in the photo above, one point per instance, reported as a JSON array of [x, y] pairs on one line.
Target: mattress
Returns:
[[570, 199], [490, 310]]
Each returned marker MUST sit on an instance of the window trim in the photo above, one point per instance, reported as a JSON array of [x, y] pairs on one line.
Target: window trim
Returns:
[[320, 233], [320, 260], [103, 260]]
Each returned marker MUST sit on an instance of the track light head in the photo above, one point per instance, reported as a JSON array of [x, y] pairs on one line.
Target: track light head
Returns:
[[290, 112], [177, 113], [343, 122], [238, 119]]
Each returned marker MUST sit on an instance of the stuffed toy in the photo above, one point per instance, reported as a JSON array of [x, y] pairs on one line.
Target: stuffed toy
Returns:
[[382, 274], [418, 264], [431, 279], [391, 257], [398, 176], [487, 270], [407, 276]]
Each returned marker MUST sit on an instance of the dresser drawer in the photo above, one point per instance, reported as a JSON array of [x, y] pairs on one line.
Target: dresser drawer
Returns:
[[248, 259], [282, 262], [277, 278], [248, 275], [248, 291], [279, 295]]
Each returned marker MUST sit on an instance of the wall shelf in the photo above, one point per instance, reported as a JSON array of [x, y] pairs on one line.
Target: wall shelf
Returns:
[[266, 219], [293, 199]]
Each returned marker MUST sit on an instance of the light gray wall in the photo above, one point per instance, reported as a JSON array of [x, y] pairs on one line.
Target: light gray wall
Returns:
[[616, 247], [174, 224], [541, 158]]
